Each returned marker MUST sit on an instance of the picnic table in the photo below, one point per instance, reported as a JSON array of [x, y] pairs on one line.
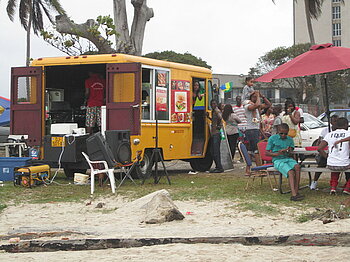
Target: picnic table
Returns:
[[298, 151]]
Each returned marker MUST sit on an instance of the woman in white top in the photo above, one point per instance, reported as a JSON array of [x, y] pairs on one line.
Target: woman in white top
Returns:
[[292, 118], [232, 131]]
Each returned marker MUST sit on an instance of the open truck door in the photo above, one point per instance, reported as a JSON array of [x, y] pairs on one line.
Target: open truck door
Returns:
[[123, 97], [26, 103]]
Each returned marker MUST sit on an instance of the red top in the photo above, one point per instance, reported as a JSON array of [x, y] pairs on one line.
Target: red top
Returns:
[[97, 86]]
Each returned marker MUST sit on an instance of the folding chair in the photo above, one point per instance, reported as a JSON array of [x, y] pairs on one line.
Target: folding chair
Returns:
[[100, 167], [257, 171], [127, 169], [266, 159]]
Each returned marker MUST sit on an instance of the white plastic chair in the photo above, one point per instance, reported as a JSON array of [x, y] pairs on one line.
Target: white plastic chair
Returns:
[[95, 171]]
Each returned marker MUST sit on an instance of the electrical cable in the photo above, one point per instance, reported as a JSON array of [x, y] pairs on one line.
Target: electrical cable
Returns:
[[59, 160]]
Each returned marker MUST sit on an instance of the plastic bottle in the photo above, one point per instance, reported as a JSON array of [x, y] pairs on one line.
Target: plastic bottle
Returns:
[[222, 134]]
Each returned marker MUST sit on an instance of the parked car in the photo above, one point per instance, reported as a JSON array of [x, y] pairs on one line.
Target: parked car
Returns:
[[311, 129], [343, 112]]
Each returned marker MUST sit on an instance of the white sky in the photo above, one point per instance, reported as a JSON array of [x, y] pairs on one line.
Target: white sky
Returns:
[[230, 35]]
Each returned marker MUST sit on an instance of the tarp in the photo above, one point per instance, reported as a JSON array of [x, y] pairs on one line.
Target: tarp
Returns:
[[4, 111]]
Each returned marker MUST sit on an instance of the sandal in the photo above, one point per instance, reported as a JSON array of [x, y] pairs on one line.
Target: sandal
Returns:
[[297, 198]]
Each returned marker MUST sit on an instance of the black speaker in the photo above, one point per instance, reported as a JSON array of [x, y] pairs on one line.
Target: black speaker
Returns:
[[119, 142], [98, 149]]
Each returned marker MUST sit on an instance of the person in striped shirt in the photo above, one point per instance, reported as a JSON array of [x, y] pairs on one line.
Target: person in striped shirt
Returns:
[[238, 109]]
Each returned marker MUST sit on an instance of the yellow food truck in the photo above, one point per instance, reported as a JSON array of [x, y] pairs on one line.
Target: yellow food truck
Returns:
[[51, 92]]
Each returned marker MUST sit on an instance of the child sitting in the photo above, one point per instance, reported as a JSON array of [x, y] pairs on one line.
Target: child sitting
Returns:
[[338, 152], [279, 146]]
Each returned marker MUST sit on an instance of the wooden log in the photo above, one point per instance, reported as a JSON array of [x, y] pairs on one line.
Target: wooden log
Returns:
[[322, 239]]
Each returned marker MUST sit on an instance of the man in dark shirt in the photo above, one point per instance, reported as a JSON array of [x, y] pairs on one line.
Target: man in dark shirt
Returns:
[[216, 125]]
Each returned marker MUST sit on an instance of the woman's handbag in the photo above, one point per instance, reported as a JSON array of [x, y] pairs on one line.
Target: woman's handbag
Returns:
[[292, 132]]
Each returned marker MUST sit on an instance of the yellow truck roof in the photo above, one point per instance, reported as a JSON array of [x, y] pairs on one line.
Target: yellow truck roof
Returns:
[[114, 58]]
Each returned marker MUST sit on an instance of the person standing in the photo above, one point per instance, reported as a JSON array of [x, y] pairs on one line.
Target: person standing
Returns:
[[232, 121], [299, 109], [292, 118], [95, 87], [216, 125], [267, 120], [277, 110], [252, 109], [238, 109], [248, 89], [197, 97]]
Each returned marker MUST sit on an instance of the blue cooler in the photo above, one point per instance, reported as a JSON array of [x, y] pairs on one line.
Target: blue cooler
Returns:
[[7, 165]]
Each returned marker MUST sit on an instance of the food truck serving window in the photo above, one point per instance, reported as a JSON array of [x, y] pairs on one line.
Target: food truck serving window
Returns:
[[155, 94], [26, 93]]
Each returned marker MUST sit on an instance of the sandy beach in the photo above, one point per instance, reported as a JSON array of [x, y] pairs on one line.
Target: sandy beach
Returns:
[[121, 218]]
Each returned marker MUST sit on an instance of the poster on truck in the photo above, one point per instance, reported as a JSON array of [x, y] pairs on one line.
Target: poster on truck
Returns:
[[161, 99], [180, 94]]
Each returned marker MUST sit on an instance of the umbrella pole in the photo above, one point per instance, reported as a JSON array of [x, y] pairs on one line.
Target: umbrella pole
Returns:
[[327, 102]]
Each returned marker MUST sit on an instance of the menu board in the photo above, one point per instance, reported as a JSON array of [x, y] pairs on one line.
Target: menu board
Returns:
[[181, 103]]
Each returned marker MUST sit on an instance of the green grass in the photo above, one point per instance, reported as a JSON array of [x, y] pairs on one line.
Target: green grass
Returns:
[[201, 187], [303, 218], [2, 207], [259, 209]]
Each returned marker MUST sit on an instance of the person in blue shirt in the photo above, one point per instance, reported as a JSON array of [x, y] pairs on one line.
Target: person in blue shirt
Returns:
[[279, 147]]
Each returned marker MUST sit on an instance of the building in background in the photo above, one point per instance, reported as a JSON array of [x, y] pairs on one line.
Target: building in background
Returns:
[[276, 94], [331, 27]]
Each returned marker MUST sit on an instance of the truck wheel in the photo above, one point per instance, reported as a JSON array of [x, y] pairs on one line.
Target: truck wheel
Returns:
[[146, 163], [202, 164]]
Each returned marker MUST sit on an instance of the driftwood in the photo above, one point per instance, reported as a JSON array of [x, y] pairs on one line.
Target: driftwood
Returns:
[[324, 239], [34, 235]]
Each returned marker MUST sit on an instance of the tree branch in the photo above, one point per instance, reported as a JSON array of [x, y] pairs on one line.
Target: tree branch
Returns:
[[66, 26]]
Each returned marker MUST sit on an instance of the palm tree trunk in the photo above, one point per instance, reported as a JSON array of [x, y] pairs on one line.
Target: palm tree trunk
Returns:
[[312, 42], [28, 32], [308, 22], [28, 87]]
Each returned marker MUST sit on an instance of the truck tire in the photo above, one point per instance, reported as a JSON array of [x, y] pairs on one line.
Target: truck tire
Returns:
[[202, 164], [146, 163]]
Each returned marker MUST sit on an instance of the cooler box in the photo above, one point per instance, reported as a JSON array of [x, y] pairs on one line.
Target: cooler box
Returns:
[[7, 165]]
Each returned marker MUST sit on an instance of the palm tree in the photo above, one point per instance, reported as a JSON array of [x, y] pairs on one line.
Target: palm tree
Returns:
[[31, 15], [313, 10]]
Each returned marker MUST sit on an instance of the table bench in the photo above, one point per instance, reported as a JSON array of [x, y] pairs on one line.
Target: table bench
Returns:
[[302, 170]]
